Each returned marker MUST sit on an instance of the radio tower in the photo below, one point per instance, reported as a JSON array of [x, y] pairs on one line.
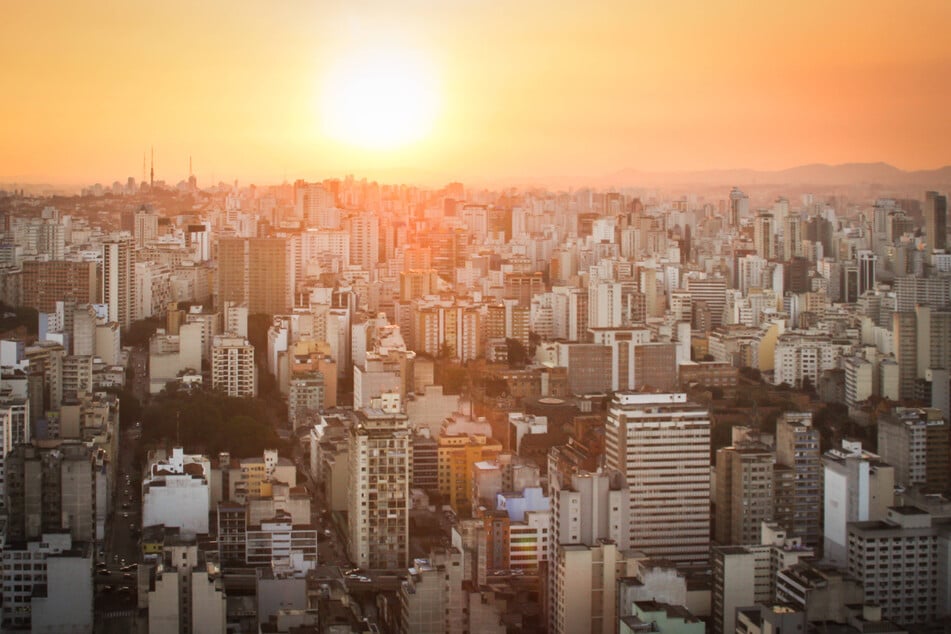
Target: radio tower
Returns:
[[152, 171], [143, 167]]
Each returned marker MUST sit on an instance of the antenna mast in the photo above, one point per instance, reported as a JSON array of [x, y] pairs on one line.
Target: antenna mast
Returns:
[[152, 171]]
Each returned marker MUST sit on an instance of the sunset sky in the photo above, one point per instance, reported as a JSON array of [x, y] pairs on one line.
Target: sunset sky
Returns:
[[467, 89]]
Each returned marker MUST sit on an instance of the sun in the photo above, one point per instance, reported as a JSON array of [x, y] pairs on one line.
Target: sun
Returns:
[[380, 100]]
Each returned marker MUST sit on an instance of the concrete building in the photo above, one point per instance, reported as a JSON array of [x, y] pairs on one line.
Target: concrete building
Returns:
[[662, 618], [176, 493], [277, 542], [903, 564], [936, 221], [744, 493], [904, 334], [184, 595], [431, 599], [822, 592], [915, 441], [797, 448], [52, 488], [232, 366], [661, 443], [48, 585], [46, 282], [118, 278], [746, 575], [378, 500], [584, 596], [257, 272], [859, 487], [306, 398], [859, 380]]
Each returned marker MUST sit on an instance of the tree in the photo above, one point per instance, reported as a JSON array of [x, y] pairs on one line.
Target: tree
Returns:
[[139, 332], [516, 353]]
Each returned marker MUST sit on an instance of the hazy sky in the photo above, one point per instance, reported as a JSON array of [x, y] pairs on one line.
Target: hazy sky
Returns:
[[552, 90]]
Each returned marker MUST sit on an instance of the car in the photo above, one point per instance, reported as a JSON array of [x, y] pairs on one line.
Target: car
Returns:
[[104, 573], [128, 576], [106, 588], [128, 568]]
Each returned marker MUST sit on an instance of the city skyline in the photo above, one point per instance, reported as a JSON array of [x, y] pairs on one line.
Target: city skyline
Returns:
[[485, 93]]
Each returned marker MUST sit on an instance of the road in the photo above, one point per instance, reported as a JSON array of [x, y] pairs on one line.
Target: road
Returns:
[[115, 592], [331, 551]]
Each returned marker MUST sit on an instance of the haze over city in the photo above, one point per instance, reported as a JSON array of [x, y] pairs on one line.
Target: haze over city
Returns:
[[475, 317], [488, 92]]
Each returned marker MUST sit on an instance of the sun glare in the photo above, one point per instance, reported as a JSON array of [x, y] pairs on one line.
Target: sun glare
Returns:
[[379, 100]]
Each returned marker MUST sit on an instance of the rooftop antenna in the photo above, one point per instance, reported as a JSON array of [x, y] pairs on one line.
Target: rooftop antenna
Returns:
[[152, 171], [190, 166], [143, 166]]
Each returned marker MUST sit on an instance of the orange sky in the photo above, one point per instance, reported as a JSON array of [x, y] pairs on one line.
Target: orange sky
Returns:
[[549, 91]]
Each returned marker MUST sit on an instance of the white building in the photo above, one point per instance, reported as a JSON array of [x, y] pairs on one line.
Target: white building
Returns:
[[176, 493], [661, 443], [859, 487], [232, 366], [859, 380], [799, 357]]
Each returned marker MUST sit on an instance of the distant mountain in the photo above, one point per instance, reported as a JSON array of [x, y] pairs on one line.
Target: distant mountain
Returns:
[[815, 174]]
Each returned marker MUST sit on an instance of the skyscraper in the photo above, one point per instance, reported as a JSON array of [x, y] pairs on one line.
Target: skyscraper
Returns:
[[936, 221], [739, 206], [258, 272], [764, 236], [866, 261], [904, 333], [661, 443], [378, 504], [118, 278], [797, 448], [232, 366], [744, 492]]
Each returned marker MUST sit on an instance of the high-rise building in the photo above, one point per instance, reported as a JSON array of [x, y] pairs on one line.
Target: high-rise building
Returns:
[[746, 575], [797, 448], [378, 504], [661, 443], [792, 236], [185, 593], [936, 221], [933, 341], [859, 486], [764, 236], [904, 334], [52, 489], [232, 366], [145, 227], [744, 493], [895, 560], [364, 240], [712, 292], [258, 272], [431, 597], [739, 206], [47, 282], [118, 278], [48, 585], [915, 442], [866, 263]]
